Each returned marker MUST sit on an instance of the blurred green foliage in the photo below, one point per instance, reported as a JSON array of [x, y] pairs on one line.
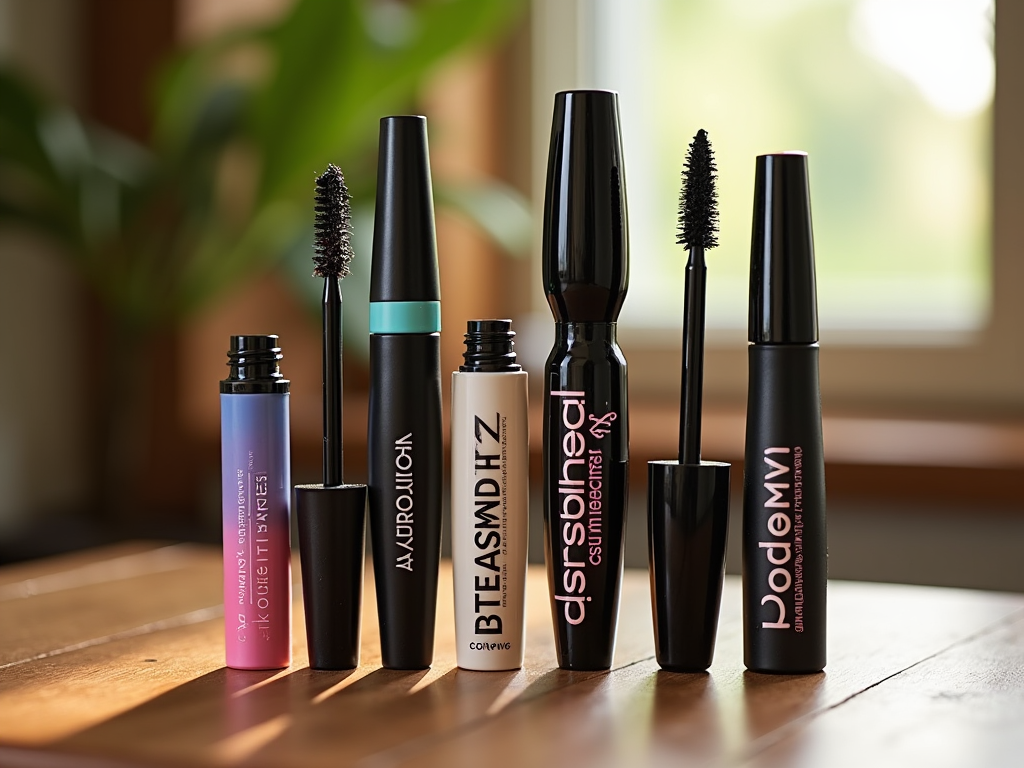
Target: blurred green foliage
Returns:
[[242, 125]]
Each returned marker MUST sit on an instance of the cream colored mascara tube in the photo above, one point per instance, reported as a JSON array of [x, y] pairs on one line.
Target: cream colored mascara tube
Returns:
[[490, 499]]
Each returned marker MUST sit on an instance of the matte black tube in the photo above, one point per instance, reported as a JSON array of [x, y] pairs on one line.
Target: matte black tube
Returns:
[[586, 473], [404, 427], [332, 543], [405, 468], [784, 543]]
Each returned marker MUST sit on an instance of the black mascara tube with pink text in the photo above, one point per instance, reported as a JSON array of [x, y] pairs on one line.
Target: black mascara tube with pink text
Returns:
[[586, 432], [784, 537]]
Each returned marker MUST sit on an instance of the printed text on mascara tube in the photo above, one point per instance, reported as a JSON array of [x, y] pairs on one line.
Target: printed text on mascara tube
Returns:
[[784, 545]]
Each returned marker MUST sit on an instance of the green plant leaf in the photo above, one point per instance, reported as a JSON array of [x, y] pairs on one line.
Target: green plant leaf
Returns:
[[153, 231], [327, 105], [22, 111]]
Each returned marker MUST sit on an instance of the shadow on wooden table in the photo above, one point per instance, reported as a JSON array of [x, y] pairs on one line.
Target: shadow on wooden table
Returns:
[[390, 714], [394, 717], [686, 718], [230, 715], [221, 715], [771, 701], [690, 712], [775, 710]]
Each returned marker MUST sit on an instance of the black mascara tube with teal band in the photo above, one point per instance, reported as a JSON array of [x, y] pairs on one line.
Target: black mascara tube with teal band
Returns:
[[404, 428]]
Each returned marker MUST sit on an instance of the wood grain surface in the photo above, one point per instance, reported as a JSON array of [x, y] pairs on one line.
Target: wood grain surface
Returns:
[[115, 658]]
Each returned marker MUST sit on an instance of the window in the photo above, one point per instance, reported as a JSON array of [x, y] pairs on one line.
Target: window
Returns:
[[915, 235]]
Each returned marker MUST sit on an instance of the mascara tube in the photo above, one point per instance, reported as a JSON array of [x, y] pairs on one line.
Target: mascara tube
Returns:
[[586, 434], [784, 541], [256, 485], [404, 427], [490, 499]]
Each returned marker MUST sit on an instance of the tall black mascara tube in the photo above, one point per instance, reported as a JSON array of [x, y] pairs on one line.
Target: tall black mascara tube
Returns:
[[586, 432], [404, 429], [784, 542]]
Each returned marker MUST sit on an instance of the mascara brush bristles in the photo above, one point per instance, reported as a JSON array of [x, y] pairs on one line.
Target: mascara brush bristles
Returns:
[[698, 200], [333, 225], [698, 224]]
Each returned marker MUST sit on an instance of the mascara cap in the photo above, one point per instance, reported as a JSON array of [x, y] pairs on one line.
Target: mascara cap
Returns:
[[586, 253], [332, 530], [783, 301], [404, 268], [687, 528]]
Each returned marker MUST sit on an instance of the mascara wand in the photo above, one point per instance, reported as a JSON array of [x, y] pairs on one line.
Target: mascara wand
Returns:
[[688, 499], [698, 224], [332, 515], [331, 262]]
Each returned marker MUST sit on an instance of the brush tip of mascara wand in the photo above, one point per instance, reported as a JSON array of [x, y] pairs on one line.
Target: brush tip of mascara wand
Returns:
[[698, 200], [333, 225]]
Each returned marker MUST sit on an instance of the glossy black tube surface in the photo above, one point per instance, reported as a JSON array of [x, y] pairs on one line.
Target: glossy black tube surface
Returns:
[[691, 394], [405, 476], [784, 537], [586, 463], [687, 528], [586, 433]]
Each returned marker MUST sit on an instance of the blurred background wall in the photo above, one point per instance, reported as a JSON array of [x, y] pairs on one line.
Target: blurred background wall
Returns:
[[42, 418], [156, 167]]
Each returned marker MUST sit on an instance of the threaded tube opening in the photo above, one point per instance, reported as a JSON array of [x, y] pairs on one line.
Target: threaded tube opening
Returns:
[[254, 360], [489, 347]]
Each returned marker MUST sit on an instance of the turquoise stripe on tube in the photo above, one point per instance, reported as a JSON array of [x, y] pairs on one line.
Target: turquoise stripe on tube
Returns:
[[405, 317]]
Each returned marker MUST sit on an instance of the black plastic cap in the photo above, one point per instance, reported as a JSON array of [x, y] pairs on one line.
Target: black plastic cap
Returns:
[[404, 264], [783, 300], [586, 249], [332, 531], [687, 527]]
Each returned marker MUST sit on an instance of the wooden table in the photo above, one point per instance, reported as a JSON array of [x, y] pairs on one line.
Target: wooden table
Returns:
[[114, 657]]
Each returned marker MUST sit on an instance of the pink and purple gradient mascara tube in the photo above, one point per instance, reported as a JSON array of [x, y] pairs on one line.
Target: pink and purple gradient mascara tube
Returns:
[[256, 484]]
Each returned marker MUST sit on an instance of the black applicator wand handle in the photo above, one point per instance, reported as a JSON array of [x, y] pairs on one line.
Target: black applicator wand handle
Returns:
[[691, 392], [332, 384]]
